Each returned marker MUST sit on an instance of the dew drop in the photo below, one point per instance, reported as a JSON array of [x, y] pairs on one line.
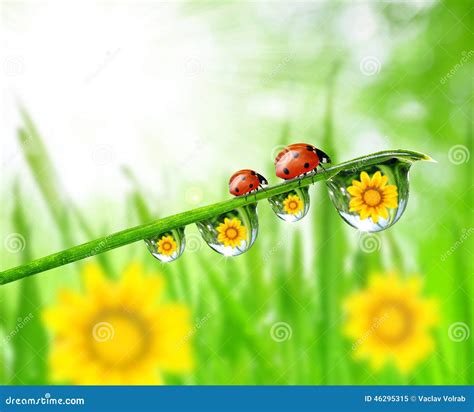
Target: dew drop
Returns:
[[231, 233], [374, 198], [291, 206], [167, 246]]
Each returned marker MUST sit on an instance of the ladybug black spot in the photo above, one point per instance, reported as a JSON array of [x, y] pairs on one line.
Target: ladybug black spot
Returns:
[[286, 171], [236, 190], [310, 148], [306, 165], [243, 179], [251, 185], [253, 173], [296, 155]]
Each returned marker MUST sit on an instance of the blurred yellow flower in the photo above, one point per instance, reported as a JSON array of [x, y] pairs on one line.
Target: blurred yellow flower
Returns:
[[116, 332], [293, 205], [389, 322], [372, 196], [166, 245], [231, 232]]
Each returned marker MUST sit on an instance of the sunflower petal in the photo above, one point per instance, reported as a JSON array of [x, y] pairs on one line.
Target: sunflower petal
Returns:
[[94, 278], [375, 181], [383, 181], [391, 203], [390, 189], [365, 213], [383, 212], [365, 179], [357, 201], [354, 190]]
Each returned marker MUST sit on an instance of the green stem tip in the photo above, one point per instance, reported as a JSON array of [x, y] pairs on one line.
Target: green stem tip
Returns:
[[151, 229]]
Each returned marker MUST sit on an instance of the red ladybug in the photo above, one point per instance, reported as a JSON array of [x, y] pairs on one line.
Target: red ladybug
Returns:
[[245, 181], [298, 159]]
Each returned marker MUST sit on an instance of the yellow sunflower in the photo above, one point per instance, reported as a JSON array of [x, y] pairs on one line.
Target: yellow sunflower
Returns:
[[166, 245], [389, 322], [116, 332], [293, 204], [231, 232], [372, 196]]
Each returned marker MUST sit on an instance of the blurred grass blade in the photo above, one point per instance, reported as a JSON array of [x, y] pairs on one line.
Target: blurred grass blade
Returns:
[[237, 321], [137, 199], [61, 207], [29, 346], [46, 179], [331, 251]]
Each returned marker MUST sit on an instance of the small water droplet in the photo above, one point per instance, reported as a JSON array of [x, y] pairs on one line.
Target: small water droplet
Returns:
[[291, 206], [231, 233], [374, 198], [167, 246]]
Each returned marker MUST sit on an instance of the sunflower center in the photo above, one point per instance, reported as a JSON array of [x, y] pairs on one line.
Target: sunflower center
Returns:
[[394, 322], [166, 245], [292, 205], [119, 339], [231, 233], [372, 197]]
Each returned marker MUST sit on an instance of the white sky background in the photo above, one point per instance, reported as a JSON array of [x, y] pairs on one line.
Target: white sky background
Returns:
[[138, 84], [106, 85]]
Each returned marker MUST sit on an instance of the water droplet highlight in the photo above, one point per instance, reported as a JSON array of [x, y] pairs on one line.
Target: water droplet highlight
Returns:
[[291, 206], [374, 198], [167, 246], [231, 233]]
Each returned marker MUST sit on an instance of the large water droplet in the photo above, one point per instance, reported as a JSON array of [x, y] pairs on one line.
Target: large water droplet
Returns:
[[167, 246], [291, 206], [231, 233], [374, 198]]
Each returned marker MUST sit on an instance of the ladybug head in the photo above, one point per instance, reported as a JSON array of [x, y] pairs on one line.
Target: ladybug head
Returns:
[[323, 157], [261, 179]]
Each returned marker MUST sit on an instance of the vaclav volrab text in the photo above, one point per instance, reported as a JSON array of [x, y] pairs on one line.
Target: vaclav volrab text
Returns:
[[444, 398]]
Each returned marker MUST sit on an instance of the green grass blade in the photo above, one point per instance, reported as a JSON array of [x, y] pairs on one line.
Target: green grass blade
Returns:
[[150, 229], [31, 344], [331, 250]]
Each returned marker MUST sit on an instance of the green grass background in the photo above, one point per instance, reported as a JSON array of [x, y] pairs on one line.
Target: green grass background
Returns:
[[299, 274]]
